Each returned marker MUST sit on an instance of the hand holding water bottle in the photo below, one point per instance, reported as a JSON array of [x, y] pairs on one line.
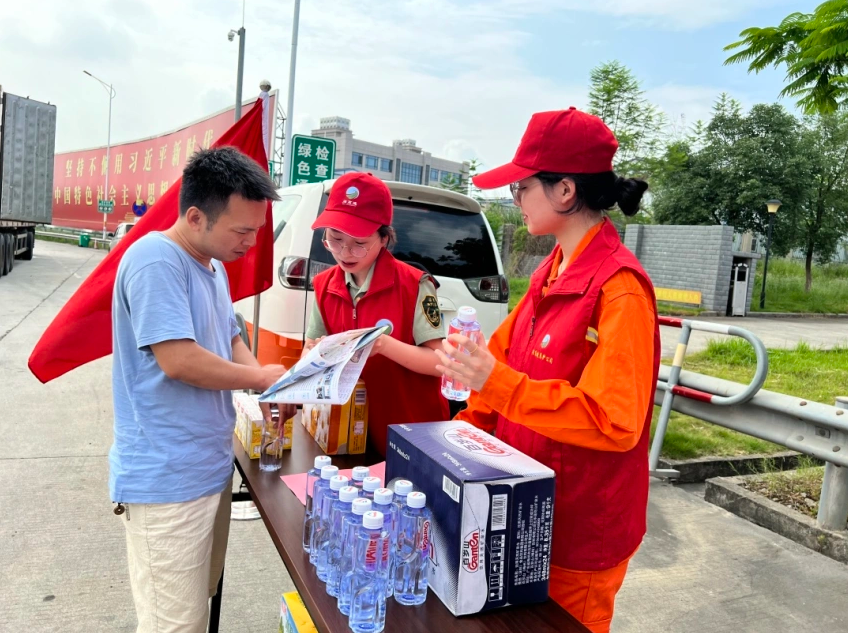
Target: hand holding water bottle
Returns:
[[466, 363]]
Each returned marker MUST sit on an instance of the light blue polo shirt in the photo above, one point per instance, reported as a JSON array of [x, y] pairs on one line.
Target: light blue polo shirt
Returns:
[[173, 441]]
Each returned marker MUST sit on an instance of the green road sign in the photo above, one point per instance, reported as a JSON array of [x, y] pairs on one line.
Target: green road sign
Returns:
[[105, 206], [312, 159]]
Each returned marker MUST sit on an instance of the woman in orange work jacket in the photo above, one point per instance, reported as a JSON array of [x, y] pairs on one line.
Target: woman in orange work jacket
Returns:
[[367, 285], [568, 378]]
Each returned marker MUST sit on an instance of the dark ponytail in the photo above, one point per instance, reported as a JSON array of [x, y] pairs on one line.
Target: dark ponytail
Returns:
[[600, 192], [629, 193]]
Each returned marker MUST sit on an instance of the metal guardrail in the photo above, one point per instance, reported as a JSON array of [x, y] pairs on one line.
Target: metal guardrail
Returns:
[[812, 428], [98, 242], [671, 386]]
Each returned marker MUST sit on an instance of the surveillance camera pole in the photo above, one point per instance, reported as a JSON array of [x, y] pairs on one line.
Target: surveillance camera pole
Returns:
[[240, 77]]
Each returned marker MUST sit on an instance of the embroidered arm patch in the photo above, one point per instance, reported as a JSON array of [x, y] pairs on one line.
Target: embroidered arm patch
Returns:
[[430, 305]]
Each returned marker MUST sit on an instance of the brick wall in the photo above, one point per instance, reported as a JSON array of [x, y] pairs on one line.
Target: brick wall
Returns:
[[687, 258]]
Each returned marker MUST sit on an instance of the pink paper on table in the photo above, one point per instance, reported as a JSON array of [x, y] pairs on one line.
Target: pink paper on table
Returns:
[[297, 483]]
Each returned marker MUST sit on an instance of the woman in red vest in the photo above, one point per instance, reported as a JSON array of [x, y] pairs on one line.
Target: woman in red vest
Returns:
[[368, 285], [568, 378]]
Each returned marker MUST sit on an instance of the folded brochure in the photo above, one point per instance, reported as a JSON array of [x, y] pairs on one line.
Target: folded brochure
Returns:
[[328, 373]]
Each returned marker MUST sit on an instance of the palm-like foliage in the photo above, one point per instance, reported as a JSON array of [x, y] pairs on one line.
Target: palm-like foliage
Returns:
[[814, 50]]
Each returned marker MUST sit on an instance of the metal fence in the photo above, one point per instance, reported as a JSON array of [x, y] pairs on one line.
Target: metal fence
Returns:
[[812, 428]]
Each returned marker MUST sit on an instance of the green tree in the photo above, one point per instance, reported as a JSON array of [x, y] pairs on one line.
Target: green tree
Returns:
[[725, 175], [617, 97], [822, 218], [462, 184], [813, 48]]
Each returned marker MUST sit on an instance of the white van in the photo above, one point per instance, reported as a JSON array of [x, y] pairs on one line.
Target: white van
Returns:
[[439, 231]]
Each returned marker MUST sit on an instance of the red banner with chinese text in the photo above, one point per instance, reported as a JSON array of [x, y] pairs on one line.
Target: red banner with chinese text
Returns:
[[138, 171]]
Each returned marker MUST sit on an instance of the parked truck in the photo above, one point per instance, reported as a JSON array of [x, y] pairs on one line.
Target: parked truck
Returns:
[[27, 144]]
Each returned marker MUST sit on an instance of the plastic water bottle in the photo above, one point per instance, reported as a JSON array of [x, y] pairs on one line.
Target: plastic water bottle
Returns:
[[402, 488], [358, 476], [412, 567], [351, 524], [370, 485], [466, 324], [312, 477], [323, 529], [340, 510], [321, 486], [368, 594], [384, 502]]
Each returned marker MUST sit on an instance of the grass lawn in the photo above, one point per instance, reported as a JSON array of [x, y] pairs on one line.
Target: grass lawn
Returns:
[[517, 289], [785, 288], [818, 375], [798, 489]]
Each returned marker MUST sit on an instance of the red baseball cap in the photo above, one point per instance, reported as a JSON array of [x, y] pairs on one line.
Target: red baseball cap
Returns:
[[563, 142], [358, 205]]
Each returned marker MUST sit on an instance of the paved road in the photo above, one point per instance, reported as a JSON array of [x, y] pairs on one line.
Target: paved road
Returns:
[[817, 332], [700, 568]]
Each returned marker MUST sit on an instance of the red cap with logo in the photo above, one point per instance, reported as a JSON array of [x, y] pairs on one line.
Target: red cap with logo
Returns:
[[358, 205], [563, 142]]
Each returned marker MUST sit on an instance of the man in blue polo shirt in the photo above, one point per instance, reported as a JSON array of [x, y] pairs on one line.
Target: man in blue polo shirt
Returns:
[[177, 356]]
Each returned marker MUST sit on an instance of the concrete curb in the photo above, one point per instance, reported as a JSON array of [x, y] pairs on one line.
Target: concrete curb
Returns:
[[795, 315], [695, 471], [727, 493]]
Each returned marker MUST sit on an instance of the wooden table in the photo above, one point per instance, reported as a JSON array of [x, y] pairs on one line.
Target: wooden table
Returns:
[[283, 516]]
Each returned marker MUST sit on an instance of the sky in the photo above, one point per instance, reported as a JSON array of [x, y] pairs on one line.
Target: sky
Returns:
[[462, 77]]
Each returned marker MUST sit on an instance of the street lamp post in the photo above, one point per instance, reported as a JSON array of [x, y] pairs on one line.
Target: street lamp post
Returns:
[[240, 76], [287, 157], [112, 94], [773, 206]]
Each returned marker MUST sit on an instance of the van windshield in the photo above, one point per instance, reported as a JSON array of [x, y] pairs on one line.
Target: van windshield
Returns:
[[445, 242]]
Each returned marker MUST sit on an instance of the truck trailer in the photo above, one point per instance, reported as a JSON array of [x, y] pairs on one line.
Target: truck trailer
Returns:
[[27, 145]]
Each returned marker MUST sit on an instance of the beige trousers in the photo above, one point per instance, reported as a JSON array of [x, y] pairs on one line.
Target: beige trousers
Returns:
[[176, 556]]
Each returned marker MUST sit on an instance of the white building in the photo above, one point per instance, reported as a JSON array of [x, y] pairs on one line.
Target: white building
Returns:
[[403, 160]]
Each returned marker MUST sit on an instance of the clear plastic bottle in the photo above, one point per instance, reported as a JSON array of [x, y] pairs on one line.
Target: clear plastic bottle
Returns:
[[466, 324], [412, 565], [358, 476], [312, 477], [323, 528], [271, 443], [321, 486], [370, 485], [384, 502], [351, 524], [339, 511], [402, 488], [368, 593]]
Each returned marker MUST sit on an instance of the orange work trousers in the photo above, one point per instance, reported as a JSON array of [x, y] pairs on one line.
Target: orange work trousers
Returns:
[[588, 595]]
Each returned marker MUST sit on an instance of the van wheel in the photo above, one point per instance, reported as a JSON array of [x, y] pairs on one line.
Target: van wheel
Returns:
[[3, 261], [30, 246], [10, 251], [243, 329]]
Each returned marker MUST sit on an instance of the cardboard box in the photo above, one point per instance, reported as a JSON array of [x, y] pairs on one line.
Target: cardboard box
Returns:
[[294, 617], [492, 511], [339, 429], [249, 424]]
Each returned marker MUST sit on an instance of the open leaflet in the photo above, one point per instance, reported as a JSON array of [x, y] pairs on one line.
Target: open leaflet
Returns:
[[328, 373]]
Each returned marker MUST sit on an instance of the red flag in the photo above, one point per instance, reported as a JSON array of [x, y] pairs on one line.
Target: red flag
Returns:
[[82, 331]]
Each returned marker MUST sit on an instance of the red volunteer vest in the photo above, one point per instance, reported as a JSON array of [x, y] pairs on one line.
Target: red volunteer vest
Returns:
[[396, 395], [601, 496]]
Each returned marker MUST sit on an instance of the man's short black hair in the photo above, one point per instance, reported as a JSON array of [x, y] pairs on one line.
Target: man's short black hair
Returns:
[[213, 175]]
